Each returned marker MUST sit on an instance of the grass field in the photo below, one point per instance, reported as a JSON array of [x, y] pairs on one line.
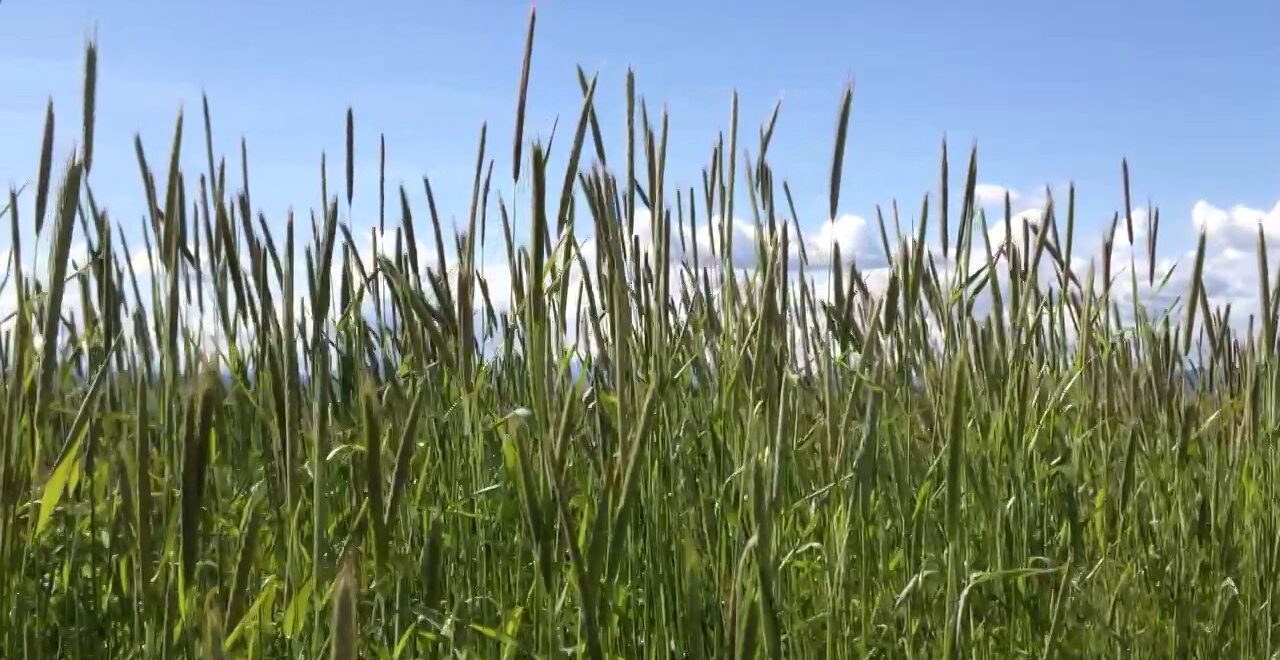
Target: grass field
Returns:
[[277, 443]]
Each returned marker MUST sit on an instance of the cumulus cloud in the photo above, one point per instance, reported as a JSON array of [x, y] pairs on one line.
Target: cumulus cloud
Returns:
[[742, 235], [1230, 275], [854, 236], [990, 194], [1230, 272], [1236, 227], [1231, 254], [1026, 223], [140, 262], [374, 242]]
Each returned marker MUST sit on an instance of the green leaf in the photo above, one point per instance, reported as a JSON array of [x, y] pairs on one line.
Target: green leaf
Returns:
[[250, 618], [56, 485], [64, 468], [295, 615]]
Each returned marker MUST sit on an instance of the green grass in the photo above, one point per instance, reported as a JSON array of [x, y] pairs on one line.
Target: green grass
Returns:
[[986, 457]]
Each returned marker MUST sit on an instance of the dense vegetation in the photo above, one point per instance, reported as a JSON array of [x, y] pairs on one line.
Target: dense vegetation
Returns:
[[273, 445]]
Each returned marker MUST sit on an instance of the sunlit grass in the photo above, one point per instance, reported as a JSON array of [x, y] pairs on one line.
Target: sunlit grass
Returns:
[[651, 451]]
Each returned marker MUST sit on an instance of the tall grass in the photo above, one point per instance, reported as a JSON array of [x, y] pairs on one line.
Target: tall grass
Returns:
[[652, 451]]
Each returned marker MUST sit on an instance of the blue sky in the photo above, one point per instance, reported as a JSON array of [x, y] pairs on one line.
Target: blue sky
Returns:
[[1188, 91]]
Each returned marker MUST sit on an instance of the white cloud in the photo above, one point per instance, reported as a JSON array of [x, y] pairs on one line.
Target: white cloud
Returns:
[[1238, 226], [141, 262], [373, 243], [990, 194], [1231, 254], [851, 233], [742, 235], [1023, 223], [1230, 273], [498, 281]]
